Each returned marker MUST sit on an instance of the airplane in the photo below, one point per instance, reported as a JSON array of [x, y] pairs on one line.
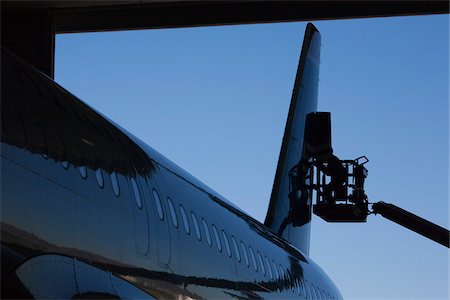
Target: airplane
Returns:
[[90, 211]]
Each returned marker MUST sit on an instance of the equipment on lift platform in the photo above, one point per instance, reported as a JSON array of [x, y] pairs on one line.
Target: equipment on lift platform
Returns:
[[338, 185], [339, 189]]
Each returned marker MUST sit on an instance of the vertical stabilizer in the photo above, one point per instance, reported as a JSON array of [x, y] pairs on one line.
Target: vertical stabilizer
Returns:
[[286, 216]]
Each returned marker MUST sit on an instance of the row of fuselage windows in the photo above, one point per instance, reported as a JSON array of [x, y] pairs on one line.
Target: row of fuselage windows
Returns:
[[101, 181], [250, 257], [259, 262]]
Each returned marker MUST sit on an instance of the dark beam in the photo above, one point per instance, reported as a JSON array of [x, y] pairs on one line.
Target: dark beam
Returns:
[[29, 26], [413, 222], [168, 14], [31, 36]]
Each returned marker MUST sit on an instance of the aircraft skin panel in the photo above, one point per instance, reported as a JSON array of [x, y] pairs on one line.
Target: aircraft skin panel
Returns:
[[69, 203]]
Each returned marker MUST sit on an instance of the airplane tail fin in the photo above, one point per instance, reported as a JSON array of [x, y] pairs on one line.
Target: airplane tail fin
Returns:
[[288, 216]]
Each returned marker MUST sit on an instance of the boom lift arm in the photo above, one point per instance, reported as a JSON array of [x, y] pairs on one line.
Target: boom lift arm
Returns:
[[413, 222], [337, 186]]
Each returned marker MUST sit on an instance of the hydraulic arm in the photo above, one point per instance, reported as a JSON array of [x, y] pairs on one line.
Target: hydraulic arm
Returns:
[[413, 222]]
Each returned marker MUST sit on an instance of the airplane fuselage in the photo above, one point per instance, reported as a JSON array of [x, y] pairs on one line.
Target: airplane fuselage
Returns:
[[183, 240], [90, 211]]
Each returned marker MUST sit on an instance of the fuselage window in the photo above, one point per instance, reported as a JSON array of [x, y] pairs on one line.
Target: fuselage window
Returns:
[[207, 234], [301, 290], [294, 285], [313, 291], [115, 184], [318, 294], [252, 255], [158, 203], [269, 268], [196, 227], [172, 212], [244, 251], [289, 279], [227, 244], [281, 273], [307, 290], [324, 295], [216, 236], [99, 178], [236, 249], [65, 164], [185, 219], [277, 276], [261, 264], [83, 171], [136, 192]]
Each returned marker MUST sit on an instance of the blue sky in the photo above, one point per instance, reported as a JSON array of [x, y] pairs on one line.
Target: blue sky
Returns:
[[215, 100]]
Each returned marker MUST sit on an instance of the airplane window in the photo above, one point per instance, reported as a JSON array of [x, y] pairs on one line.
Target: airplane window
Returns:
[[312, 288], [227, 244], [172, 212], [236, 249], [136, 192], [303, 287], [324, 295], [276, 270], [269, 268], [281, 272], [252, 255], [247, 262], [292, 285], [99, 177], [295, 286], [319, 293], [115, 184], [196, 227], [158, 203], [313, 291], [289, 279], [307, 290], [261, 263], [300, 287], [185, 219], [207, 234], [83, 171], [65, 164], [216, 236]]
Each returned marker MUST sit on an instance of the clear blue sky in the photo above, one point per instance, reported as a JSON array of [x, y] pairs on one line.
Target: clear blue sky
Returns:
[[215, 100]]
